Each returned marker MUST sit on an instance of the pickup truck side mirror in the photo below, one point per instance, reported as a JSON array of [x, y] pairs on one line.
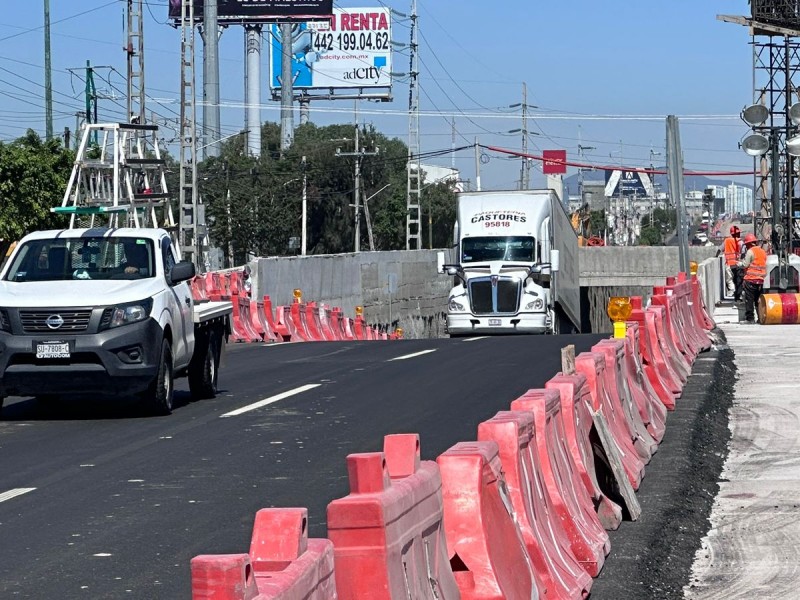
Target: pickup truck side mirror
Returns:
[[183, 271]]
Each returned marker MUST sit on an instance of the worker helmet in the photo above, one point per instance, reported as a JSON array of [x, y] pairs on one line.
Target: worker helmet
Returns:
[[750, 239], [735, 230]]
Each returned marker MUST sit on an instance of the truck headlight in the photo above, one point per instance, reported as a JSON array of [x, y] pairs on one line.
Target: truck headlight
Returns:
[[125, 314], [456, 306], [537, 304]]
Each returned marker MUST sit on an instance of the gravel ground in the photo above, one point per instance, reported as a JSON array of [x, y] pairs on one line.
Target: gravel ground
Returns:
[[652, 557]]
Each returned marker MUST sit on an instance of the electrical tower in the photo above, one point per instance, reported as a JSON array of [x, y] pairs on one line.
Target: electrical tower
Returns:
[[191, 234], [414, 179], [135, 51]]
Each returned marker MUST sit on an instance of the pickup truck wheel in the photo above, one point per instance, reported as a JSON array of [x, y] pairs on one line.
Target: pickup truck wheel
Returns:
[[203, 372], [159, 394]]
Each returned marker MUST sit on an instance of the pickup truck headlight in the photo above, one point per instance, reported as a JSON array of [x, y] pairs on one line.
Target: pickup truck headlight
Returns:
[[537, 304], [125, 314]]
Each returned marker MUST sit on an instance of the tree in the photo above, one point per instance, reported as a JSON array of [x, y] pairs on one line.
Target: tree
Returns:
[[33, 178]]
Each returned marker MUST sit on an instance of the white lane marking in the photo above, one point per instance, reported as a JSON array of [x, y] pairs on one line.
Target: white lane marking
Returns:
[[14, 493], [271, 399], [412, 355], [485, 337]]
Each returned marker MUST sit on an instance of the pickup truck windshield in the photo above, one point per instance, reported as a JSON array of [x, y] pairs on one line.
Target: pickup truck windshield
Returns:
[[83, 258], [485, 249]]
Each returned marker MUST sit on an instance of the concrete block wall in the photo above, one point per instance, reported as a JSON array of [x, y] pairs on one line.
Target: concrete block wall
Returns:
[[419, 302]]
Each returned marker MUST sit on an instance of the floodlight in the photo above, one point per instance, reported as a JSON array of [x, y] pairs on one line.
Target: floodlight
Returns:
[[794, 113], [793, 145], [755, 144], [755, 114]]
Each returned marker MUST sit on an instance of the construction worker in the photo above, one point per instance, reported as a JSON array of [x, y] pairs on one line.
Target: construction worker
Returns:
[[733, 272], [755, 270]]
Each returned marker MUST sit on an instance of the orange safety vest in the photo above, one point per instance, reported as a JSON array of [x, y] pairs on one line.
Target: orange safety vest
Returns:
[[757, 271], [733, 251]]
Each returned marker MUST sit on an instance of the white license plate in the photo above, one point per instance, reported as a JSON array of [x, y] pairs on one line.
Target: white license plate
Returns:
[[495, 322], [52, 350]]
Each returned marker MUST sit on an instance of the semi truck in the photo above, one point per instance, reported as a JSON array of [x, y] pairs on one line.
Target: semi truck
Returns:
[[516, 269]]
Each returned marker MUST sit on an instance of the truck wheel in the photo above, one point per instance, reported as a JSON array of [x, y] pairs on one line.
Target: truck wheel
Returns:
[[203, 373], [159, 394]]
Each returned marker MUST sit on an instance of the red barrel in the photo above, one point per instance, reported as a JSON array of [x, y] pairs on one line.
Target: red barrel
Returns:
[[776, 309]]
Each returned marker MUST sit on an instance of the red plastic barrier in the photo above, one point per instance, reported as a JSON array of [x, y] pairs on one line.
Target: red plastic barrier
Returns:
[[240, 323], [613, 351], [283, 563], [676, 360], [199, 293], [213, 285], [280, 333], [326, 322], [558, 574], [486, 549], [261, 325], [672, 325], [348, 327], [359, 328], [572, 415], [592, 366], [694, 328], [298, 311], [310, 316], [657, 368], [387, 533], [699, 306], [336, 323], [651, 409], [284, 325]]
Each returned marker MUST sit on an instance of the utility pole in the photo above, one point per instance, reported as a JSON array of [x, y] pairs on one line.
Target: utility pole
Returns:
[[675, 172], [135, 51], [304, 233], [477, 166], [211, 132], [48, 75], [191, 241], [91, 98], [358, 154], [523, 172], [287, 91], [414, 174]]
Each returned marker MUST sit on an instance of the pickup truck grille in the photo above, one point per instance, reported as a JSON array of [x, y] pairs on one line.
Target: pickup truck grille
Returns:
[[36, 321], [4, 324], [486, 298]]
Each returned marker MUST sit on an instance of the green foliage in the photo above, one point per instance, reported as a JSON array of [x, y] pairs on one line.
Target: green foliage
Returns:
[[253, 205], [33, 178], [650, 236], [597, 221]]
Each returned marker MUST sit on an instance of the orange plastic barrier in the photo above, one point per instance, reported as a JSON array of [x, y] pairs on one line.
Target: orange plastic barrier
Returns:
[[557, 573], [632, 452], [387, 533], [283, 563], [568, 424], [487, 553], [651, 409], [613, 351]]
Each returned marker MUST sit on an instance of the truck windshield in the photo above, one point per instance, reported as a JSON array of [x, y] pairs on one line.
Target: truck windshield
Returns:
[[485, 249], [83, 258]]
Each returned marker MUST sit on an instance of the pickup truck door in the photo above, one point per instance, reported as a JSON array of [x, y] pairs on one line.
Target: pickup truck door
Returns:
[[183, 304]]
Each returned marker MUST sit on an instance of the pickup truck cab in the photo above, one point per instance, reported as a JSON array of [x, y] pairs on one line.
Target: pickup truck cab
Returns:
[[105, 312]]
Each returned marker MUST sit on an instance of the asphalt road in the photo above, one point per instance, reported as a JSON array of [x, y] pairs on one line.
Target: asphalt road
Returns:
[[117, 503]]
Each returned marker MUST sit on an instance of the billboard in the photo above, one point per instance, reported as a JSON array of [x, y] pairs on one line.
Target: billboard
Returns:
[[352, 50], [554, 162], [259, 11], [628, 183]]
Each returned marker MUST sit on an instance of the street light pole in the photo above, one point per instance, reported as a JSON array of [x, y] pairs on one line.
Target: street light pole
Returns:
[[304, 214]]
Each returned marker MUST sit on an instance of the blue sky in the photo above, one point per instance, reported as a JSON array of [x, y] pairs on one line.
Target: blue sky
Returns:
[[607, 72]]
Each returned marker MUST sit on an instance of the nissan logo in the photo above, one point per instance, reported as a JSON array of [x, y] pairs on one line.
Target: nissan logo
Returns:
[[54, 321]]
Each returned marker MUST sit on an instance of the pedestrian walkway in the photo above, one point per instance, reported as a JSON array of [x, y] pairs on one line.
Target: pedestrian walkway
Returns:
[[751, 549]]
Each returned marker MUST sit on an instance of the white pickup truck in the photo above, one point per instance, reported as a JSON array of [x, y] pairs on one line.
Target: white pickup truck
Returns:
[[105, 312]]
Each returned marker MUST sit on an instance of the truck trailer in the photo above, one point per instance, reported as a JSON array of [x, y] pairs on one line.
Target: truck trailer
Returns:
[[517, 265]]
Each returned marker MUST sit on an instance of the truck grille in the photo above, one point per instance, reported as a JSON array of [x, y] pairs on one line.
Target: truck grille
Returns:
[[36, 321], [4, 324], [500, 298]]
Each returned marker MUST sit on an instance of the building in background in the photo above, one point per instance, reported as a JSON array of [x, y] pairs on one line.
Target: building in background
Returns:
[[738, 198]]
